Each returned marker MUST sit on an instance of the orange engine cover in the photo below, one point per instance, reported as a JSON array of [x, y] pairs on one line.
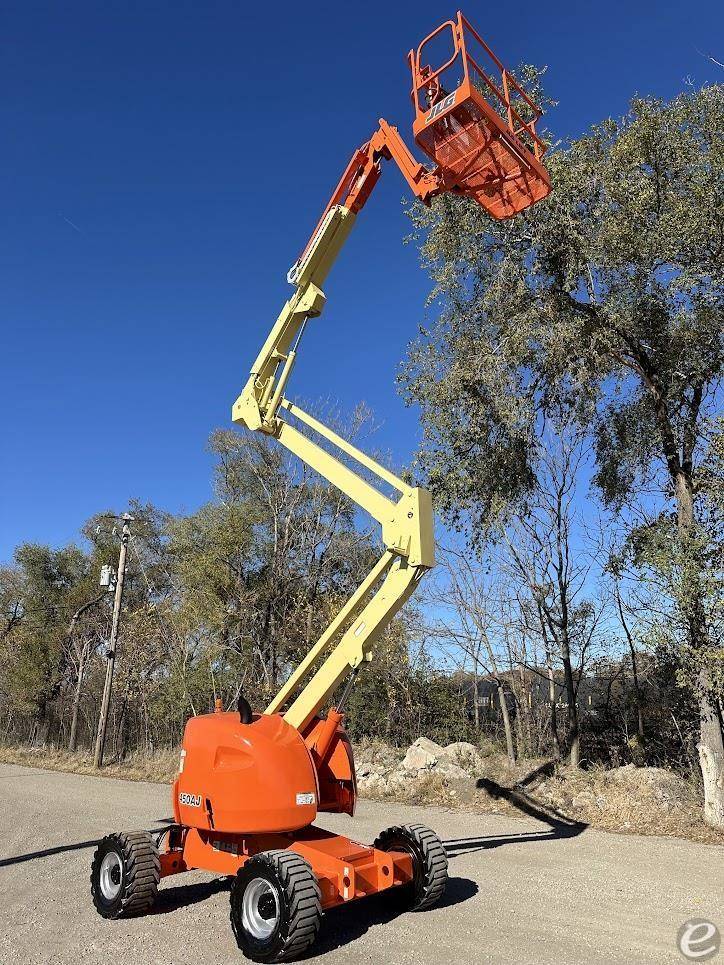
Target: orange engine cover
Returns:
[[240, 778]]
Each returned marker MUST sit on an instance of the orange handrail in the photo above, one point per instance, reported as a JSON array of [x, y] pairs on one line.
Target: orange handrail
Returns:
[[423, 78]]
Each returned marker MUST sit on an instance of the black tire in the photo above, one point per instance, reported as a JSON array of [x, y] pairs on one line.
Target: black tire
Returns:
[[125, 874], [429, 863], [275, 891]]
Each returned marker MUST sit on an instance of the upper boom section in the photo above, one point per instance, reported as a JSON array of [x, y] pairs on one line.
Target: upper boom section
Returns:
[[407, 522]]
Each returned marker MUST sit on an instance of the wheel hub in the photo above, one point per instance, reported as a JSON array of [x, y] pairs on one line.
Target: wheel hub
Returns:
[[260, 908], [110, 877]]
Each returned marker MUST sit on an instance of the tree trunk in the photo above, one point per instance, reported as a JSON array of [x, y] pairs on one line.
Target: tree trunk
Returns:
[[574, 736], [476, 699], [553, 721], [638, 690], [506, 724], [711, 757], [684, 503], [41, 723], [711, 727], [73, 739], [638, 697]]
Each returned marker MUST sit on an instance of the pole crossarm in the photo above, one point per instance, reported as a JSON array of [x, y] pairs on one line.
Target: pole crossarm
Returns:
[[406, 521]]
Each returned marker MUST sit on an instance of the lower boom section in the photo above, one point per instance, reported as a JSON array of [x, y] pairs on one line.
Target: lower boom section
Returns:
[[344, 869]]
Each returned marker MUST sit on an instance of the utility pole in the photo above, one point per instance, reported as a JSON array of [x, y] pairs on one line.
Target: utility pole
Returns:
[[117, 602]]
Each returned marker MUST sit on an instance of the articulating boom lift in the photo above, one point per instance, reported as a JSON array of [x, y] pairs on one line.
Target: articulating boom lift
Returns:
[[251, 785]]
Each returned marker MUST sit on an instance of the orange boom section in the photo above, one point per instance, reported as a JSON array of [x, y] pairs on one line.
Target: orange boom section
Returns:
[[479, 131]]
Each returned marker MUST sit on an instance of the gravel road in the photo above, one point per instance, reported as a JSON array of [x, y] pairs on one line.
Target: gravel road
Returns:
[[517, 893]]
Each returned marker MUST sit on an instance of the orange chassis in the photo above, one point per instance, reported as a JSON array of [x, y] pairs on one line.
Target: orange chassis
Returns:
[[237, 775], [344, 869]]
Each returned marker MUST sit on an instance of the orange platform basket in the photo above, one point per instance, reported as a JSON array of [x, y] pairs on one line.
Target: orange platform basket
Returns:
[[477, 126]]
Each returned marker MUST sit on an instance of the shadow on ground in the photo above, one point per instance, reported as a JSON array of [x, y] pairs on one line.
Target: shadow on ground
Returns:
[[173, 897], [47, 852], [344, 925], [559, 825], [340, 926], [64, 848]]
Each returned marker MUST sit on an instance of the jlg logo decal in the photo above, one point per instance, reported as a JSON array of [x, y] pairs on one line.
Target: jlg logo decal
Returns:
[[193, 800], [441, 106]]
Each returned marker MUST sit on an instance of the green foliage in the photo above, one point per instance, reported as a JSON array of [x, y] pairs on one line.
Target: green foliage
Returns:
[[606, 298], [40, 594], [225, 599], [689, 570]]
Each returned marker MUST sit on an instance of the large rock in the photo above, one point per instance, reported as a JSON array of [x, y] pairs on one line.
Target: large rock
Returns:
[[372, 783], [427, 757], [401, 777], [465, 755], [450, 770], [424, 753]]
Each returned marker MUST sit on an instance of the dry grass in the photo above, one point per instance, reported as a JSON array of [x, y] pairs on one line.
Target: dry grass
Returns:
[[160, 767], [629, 800], [640, 800]]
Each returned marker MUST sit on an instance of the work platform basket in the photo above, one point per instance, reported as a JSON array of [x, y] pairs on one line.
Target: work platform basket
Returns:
[[477, 126]]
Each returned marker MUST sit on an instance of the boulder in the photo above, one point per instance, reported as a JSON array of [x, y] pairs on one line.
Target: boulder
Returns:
[[373, 783], [465, 755], [401, 777], [424, 753], [450, 770]]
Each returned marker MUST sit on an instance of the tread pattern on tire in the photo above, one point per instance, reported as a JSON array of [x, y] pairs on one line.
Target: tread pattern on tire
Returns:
[[434, 859], [142, 872], [304, 896]]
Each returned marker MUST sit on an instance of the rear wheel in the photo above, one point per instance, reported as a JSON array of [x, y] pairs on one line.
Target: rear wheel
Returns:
[[125, 874], [429, 863], [276, 907]]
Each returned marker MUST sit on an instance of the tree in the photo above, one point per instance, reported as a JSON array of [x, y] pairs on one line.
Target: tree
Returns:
[[266, 564], [543, 556], [49, 587], [81, 652], [605, 298], [463, 602]]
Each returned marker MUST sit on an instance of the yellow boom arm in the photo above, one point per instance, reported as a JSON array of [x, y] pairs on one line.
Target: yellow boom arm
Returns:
[[482, 150], [407, 523]]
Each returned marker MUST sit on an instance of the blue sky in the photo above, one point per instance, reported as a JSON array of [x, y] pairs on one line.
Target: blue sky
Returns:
[[163, 164]]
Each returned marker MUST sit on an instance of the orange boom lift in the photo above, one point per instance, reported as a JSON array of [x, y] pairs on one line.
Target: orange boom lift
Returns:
[[250, 785]]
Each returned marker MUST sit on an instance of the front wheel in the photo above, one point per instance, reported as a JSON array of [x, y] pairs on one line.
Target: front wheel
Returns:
[[276, 906], [429, 863], [125, 874]]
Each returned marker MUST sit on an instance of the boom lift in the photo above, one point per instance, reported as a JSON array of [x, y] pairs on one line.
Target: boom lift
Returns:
[[251, 785]]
